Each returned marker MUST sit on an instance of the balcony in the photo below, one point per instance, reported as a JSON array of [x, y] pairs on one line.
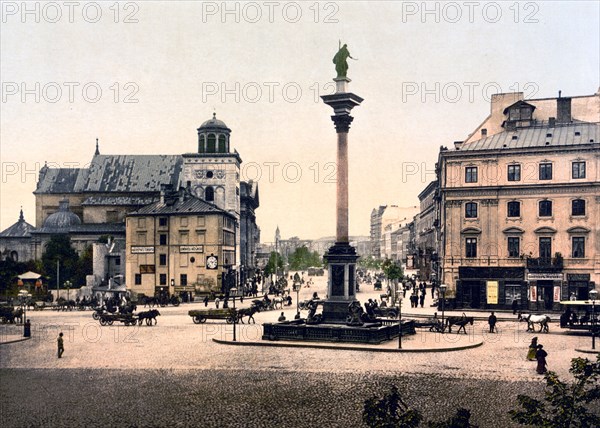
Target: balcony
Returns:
[[546, 264]]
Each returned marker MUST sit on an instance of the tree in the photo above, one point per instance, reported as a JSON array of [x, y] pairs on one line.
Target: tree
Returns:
[[391, 269], [85, 266], [369, 263], [275, 263], [564, 405], [59, 248], [302, 259], [392, 412]]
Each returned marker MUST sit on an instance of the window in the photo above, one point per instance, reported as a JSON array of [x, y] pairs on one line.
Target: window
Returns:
[[138, 279], [514, 209], [162, 239], [141, 223], [545, 209], [147, 269], [545, 248], [578, 169], [514, 173], [545, 171], [162, 221], [118, 261], [578, 248], [211, 145], [162, 259], [201, 144], [163, 279], [471, 174], [222, 146], [209, 194], [512, 292], [470, 210], [112, 216], [209, 174], [183, 221], [183, 279], [513, 246], [471, 247], [578, 207]]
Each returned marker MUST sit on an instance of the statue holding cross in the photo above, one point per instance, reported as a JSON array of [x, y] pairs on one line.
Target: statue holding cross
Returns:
[[341, 60]]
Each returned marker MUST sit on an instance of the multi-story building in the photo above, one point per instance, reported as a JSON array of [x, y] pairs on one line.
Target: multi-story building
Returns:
[[520, 204], [426, 233], [385, 220], [180, 243]]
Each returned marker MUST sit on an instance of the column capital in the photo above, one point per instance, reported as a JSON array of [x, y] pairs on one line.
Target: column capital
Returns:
[[342, 122]]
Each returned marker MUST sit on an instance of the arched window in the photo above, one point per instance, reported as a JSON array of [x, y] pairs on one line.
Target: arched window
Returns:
[[211, 146], [209, 194], [201, 144], [222, 146]]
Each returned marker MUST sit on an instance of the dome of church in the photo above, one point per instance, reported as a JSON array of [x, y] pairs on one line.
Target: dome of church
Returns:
[[213, 124], [63, 218]]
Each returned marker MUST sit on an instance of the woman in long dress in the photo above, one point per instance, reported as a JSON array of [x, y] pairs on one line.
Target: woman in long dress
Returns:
[[540, 356], [532, 349]]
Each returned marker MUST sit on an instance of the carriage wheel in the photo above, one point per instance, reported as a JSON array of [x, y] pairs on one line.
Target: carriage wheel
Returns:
[[102, 321], [110, 322], [196, 320], [203, 320], [133, 323], [95, 316], [229, 320]]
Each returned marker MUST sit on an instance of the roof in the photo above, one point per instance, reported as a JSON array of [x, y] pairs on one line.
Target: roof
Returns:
[[214, 123], [29, 275], [63, 218], [119, 200], [541, 136], [21, 229], [191, 205], [133, 173], [84, 229], [114, 173]]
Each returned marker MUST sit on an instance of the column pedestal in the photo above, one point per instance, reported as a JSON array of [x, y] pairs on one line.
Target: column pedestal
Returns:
[[341, 287]]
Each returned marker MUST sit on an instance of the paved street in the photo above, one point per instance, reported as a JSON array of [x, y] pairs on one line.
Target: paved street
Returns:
[[174, 374]]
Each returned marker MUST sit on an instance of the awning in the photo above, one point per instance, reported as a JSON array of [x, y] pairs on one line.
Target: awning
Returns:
[[30, 276]]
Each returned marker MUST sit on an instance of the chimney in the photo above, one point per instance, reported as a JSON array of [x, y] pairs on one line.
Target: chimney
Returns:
[[563, 110], [551, 122], [457, 144], [483, 132]]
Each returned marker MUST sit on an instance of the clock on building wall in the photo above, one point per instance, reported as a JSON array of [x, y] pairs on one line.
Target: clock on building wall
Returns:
[[212, 262]]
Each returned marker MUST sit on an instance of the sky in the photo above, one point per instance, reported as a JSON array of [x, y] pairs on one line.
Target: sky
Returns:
[[142, 76]]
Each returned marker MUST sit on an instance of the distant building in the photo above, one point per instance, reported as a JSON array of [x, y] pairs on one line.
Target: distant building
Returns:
[[15, 241], [427, 233], [385, 220], [519, 204]]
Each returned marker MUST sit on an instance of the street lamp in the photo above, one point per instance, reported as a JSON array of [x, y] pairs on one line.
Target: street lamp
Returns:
[[443, 288], [593, 294], [233, 291], [399, 298]]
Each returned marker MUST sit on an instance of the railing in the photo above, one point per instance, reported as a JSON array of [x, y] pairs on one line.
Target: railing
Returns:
[[545, 263]]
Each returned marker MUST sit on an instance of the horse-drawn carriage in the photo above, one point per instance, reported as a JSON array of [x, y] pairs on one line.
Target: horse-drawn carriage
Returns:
[[8, 314], [200, 316], [127, 319]]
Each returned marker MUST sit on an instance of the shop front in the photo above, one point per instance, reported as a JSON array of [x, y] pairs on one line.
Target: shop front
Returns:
[[491, 287], [578, 286], [545, 290]]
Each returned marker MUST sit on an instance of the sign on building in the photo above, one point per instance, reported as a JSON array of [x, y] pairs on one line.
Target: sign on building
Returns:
[[545, 276], [533, 293], [492, 292], [191, 248], [142, 250], [557, 294]]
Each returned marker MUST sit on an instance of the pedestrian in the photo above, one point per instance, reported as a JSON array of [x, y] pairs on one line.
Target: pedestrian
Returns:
[[61, 346], [206, 301], [532, 349], [422, 299], [432, 290], [217, 301], [281, 318], [540, 356], [492, 322], [27, 329], [515, 306]]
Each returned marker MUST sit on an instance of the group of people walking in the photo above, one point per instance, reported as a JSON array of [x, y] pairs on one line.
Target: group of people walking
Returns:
[[417, 297]]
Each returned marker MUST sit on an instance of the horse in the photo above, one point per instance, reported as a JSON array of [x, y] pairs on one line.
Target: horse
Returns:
[[149, 301], [533, 319], [247, 312], [278, 301], [149, 316], [459, 321]]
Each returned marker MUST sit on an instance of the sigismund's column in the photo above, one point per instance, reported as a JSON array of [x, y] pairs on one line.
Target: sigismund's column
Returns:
[[342, 257]]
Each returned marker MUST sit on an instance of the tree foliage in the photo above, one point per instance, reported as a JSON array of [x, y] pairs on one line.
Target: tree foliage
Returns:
[[392, 269], [302, 259], [275, 263], [369, 263], [392, 412], [59, 248], [564, 405]]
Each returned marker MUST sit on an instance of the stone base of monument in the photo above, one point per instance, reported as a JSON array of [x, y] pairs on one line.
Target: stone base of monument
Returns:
[[369, 333]]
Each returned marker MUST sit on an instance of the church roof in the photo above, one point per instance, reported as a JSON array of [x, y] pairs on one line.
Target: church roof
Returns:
[[21, 229], [119, 200], [133, 173], [114, 173], [85, 229], [214, 123], [63, 218]]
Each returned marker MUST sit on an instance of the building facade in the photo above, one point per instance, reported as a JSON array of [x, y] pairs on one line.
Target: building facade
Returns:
[[520, 204], [426, 233], [180, 243]]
